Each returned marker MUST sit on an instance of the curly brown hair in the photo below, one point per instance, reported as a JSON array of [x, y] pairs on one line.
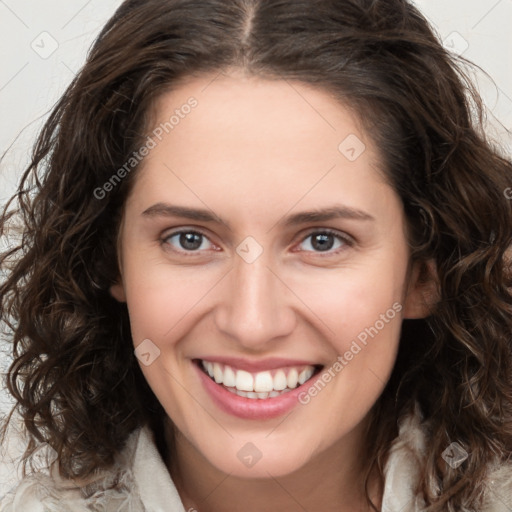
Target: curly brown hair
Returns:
[[75, 380]]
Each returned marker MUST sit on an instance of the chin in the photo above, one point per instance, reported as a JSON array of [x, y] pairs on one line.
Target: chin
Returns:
[[259, 459]]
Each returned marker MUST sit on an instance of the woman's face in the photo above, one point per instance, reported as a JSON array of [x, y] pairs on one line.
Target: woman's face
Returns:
[[262, 243]]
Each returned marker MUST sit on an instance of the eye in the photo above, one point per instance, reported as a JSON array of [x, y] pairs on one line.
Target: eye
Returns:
[[322, 241], [187, 241], [319, 241]]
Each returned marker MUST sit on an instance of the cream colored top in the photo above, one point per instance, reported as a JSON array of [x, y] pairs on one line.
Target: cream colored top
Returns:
[[144, 483]]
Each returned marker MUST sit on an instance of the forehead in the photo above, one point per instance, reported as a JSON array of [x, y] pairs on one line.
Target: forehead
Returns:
[[253, 110], [253, 138]]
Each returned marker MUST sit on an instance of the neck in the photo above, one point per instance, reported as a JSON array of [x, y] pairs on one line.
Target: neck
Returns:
[[330, 481]]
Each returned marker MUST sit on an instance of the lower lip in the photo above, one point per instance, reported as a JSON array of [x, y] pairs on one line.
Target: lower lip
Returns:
[[251, 408]]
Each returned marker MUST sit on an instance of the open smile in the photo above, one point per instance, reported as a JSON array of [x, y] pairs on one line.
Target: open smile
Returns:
[[255, 394]]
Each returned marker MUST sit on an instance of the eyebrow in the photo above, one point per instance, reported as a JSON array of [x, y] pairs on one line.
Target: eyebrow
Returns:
[[204, 215]]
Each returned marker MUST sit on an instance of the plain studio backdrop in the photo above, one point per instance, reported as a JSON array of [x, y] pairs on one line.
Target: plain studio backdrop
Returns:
[[43, 45]]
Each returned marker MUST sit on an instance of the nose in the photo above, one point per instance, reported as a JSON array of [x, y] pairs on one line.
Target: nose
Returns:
[[255, 307]]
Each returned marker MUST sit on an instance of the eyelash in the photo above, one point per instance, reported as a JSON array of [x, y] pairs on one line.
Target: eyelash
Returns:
[[347, 241]]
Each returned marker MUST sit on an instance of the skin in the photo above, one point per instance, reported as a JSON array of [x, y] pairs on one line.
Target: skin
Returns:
[[253, 152]]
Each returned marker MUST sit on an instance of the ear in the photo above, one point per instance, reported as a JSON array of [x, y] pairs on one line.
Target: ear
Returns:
[[117, 291], [422, 291]]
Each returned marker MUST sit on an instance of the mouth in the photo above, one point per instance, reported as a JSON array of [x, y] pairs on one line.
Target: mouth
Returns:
[[263, 385]]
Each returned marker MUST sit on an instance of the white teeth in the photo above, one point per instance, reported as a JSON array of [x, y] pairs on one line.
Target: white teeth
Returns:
[[263, 382], [280, 381], [218, 374], [244, 381], [305, 375], [292, 378], [209, 367], [229, 377], [260, 385], [253, 395]]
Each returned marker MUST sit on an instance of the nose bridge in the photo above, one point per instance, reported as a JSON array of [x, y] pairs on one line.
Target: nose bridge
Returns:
[[255, 309]]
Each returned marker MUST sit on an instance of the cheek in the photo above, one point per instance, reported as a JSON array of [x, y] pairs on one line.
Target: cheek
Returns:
[[364, 323], [160, 299], [349, 302]]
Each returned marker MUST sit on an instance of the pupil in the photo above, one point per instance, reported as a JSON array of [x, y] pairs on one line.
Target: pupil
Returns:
[[190, 241], [323, 242]]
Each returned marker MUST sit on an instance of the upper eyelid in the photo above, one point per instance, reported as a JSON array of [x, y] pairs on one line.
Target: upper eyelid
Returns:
[[345, 237], [180, 231]]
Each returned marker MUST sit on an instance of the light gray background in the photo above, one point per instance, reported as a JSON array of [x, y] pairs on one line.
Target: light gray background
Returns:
[[44, 43]]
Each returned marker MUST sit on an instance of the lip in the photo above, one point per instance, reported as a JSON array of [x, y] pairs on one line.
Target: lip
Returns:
[[262, 365], [248, 408]]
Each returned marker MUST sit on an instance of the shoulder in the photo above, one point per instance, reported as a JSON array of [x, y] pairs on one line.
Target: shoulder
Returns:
[[406, 457], [499, 489], [402, 468], [108, 491]]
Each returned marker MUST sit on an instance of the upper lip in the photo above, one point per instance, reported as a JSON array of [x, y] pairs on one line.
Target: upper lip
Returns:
[[260, 365]]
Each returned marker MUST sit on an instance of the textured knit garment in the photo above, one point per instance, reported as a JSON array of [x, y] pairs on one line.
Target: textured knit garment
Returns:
[[140, 482]]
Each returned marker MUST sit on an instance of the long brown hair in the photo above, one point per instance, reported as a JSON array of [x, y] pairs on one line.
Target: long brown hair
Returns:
[[75, 379]]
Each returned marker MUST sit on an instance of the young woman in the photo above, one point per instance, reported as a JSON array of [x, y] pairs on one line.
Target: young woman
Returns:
[[263, 267]]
